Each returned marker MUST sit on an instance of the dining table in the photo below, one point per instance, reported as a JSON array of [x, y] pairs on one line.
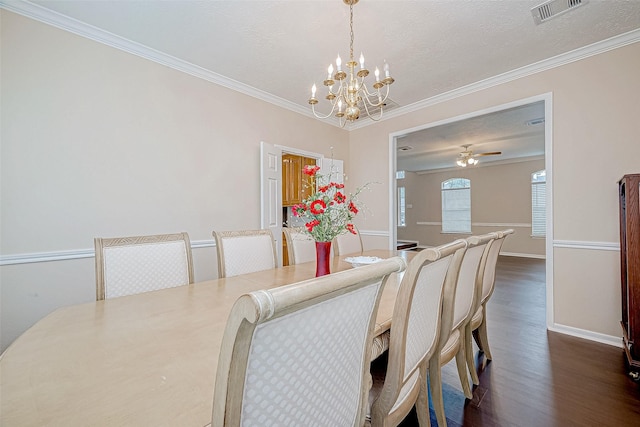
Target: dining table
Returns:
[[148, 359]]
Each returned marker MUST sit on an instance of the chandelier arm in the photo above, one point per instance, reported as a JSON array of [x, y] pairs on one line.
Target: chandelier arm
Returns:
[[369, 115], [376, 94], [319, 115]]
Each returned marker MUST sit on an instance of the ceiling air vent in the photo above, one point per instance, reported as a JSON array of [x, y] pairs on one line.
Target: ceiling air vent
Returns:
[[374, 112], [551, 9]]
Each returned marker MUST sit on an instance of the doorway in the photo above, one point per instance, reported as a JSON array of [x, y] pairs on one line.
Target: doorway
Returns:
[[446, 149]]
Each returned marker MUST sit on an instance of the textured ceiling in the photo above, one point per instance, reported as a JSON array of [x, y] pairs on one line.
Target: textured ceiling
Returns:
[[283, 47]]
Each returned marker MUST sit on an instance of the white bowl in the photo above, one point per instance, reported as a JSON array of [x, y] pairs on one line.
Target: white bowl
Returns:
[[359, 261]]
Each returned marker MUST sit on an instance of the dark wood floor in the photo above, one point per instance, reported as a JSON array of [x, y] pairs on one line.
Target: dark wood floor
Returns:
[[539, 378]]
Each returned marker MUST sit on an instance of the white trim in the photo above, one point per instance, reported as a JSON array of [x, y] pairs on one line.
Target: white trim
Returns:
[[46, 256], [521, 255], [574, 244], [298, 152], [501, 224], [588, 335], [66, 23], [547, 98], [615, 42], [99, 35], [483, 224], [36, 257], [377, 233]]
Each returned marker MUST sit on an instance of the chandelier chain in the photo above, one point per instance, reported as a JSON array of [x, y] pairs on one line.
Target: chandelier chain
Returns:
[[351, 33]]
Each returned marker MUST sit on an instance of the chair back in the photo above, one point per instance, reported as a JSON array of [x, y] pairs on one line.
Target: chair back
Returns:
[[300, 354], [301, 247], [132, 265], [426, 293], [489, 277], [246, 251], [348, 243], [470, 278]]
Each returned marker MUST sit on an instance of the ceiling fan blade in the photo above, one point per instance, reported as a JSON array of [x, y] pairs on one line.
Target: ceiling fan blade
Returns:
[[492, 153]]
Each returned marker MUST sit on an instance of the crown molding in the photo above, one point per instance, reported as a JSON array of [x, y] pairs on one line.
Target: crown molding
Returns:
[[537, 67], [55, 19], [66, 23]]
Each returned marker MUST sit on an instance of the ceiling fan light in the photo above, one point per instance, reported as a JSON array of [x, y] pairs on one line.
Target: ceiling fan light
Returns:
[[461, 163]]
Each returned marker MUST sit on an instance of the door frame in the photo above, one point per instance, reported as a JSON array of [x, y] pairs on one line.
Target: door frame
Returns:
[[548, 162]]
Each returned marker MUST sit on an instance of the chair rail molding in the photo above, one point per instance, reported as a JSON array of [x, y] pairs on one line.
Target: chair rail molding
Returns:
[[578, 244], [35, 257]]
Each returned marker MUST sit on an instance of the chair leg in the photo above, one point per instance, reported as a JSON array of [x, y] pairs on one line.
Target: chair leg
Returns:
[[461, 363], [435, 385], [471, 364], [482, 337], [422, 403]]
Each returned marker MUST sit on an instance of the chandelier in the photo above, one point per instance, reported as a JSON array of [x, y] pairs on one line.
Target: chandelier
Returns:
[[347, 91]]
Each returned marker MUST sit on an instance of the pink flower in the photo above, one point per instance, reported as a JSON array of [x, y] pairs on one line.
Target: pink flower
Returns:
[[299, 210]]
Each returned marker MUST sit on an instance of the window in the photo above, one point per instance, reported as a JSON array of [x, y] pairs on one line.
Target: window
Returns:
[[539, 203], [402, 213], [456, 206], [402, 206]]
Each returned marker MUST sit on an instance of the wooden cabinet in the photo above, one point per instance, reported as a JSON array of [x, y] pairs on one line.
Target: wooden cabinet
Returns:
[[295, 185], [629, 195]]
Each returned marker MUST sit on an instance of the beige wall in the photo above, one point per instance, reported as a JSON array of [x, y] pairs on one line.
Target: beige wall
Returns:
[[595, 130], [500, 198], [98, 142]]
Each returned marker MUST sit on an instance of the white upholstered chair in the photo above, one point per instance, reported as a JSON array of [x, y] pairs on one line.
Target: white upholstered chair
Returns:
[[477, 327], [423, 307], [452, 344], [246, 251], [132, 265], [348, 243], [299, 355], [301, 247]]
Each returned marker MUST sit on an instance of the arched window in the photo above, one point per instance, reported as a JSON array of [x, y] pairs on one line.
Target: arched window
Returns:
[[456, 206], [539, 203]]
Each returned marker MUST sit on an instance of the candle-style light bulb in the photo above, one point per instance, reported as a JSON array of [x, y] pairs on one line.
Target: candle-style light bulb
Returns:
[[377, 73], [386, 69], [330, 70], [313, 91], [340, 105], [361, 61], [339, 63]]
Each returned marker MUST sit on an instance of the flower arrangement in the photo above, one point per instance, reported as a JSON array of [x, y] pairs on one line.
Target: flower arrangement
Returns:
[[328, 211]]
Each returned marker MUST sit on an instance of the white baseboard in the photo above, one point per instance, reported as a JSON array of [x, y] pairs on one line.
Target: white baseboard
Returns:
[[587, 335], [521, 255]]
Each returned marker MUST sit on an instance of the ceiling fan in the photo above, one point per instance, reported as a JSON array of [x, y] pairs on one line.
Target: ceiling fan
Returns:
[[467, 157]]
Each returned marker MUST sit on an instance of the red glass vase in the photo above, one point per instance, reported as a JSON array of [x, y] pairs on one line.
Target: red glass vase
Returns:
[[323, 258]]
